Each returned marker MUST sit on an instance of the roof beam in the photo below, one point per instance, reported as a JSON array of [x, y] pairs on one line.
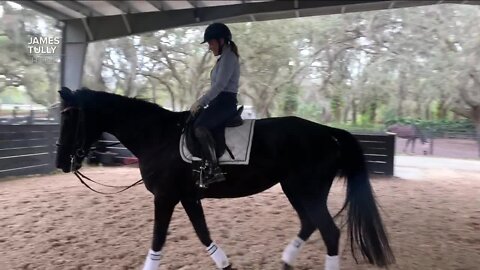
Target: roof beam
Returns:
[[123, 6], [44, 9], [157, 4], [80, 8], [192, 2], [196, 3], [106, 27]]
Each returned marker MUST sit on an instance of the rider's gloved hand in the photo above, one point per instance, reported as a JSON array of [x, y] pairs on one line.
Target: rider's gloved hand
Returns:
[[195, 107]]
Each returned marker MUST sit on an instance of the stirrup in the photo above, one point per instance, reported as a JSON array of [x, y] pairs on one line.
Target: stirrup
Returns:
[[215, 177], [201, 175], [209, 175]]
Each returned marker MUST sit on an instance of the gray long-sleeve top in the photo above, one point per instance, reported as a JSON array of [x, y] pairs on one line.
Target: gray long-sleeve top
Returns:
[[224, 77]]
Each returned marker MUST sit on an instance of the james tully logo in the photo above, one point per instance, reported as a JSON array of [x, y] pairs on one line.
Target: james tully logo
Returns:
[[43, 49]]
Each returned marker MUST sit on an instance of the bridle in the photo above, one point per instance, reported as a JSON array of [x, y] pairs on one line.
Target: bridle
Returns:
[[80, 152], [79, 138]]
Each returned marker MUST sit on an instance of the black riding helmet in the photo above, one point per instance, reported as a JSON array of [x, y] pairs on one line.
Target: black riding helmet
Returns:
[[217, 31]]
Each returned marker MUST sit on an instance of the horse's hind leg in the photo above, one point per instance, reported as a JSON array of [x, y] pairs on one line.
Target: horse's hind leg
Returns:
[[318, 212], [315, 206], [291, 252]]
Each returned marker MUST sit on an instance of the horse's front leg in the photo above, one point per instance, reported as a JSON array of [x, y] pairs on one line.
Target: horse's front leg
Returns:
[[163, 213], [195, 214]]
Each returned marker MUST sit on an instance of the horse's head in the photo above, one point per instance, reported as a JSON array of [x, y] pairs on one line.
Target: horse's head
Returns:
[[78, 131]]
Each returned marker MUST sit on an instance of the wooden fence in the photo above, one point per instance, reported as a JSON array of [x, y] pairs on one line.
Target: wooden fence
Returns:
[[30, 149], [379, 151], [27, 149]]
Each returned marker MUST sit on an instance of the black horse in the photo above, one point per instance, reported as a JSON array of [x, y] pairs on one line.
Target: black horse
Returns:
[[303, 156]]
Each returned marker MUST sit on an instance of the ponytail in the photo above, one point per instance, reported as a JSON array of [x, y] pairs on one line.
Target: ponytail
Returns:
[[233, 47]]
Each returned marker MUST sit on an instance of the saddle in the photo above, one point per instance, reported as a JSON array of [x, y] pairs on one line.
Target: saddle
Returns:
[[218, 135]]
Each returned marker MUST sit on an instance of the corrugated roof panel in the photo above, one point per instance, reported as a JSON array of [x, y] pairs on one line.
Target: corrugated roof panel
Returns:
[[61, 8], [209, 3], [177, 4], [142, 6], [101, 6]]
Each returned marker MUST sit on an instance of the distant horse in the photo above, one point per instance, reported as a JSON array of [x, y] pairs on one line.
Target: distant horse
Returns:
[[303, 156], [411, 133]]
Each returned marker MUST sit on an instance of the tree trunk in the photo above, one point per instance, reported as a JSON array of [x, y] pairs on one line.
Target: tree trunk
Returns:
[[354, 112], [418, 106], [154, 95], [401, 93], [335, 108], [441, 110], [131, 87], [373, 112], [93, 66], [346, 111], [427, 111]]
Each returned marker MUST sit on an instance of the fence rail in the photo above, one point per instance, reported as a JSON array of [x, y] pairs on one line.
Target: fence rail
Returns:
[[379, 151], [30, 149], [27, 149]]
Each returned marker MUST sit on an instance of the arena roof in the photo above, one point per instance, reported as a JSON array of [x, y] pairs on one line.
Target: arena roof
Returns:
[[87, 21], [112, 19]]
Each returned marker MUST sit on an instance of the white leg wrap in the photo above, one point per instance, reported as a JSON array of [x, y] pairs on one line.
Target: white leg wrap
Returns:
[[217, 255], [290, 253], [152, 262], [332, 263]]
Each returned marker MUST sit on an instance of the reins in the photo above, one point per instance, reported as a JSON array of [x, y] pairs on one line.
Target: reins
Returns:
[[79, 175], [83, 177]]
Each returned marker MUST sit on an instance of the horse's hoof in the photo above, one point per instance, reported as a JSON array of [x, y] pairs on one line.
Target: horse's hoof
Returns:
[[287, 267], [228, 268]]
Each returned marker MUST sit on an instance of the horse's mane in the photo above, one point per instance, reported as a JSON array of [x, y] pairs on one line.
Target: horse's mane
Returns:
[[97, 100], [146, 112]]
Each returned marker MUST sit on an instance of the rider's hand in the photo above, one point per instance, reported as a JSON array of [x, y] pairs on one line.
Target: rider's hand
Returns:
[[195, 107]]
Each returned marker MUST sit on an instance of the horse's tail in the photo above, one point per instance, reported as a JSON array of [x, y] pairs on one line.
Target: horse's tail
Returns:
[[365, 227]]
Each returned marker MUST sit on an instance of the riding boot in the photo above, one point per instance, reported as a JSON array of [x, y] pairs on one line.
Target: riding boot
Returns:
[[213, 171]]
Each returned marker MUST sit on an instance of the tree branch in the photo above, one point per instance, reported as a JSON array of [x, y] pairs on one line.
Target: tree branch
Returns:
[[467, 113], [464, 93]]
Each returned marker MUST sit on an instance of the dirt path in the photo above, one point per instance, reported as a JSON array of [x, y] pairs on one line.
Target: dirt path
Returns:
[[450, 148], [53, 222]]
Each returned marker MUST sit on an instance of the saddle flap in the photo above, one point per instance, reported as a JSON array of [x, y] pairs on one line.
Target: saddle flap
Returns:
[[238, 139], [218, 134]]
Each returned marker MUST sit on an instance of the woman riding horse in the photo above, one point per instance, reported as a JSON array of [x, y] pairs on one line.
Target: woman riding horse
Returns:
[[221, 99]]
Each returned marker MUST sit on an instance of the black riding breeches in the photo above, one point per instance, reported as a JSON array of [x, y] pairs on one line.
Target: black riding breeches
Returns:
[[218, 112]]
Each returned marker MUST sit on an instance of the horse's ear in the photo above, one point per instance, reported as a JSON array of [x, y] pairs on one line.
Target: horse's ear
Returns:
[[66, 94]]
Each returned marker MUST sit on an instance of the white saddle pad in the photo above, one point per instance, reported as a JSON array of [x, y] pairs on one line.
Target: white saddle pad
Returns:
[[238, 139]]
